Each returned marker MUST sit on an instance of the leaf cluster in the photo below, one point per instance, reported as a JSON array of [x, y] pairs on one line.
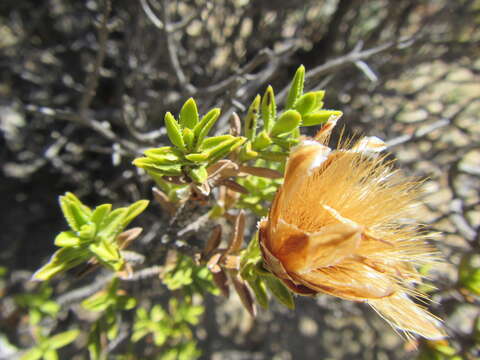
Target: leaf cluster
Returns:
[[189, 277], [92, 234], [171, 329], [38, 304], [192, 149], [111, 302], [47, 347]]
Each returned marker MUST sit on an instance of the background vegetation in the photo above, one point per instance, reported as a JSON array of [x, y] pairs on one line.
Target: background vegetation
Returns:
[[84, 87]]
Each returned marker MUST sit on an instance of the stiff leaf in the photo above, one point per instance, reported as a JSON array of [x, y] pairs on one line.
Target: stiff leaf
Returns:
[[296, 89], [287, 122], [319, 117], [63, 339], [203, 127], [189, 114], [269, 109], [174, 131], [251, 118], [67, 239], [74, 211]]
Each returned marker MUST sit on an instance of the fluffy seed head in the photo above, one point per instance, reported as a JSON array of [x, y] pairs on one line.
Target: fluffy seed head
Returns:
[[338, 226]]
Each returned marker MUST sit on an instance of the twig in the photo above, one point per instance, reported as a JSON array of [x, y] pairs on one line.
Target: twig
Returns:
[[173, 56], [103, 128], [92, 79], [420, 133], [353, 57]]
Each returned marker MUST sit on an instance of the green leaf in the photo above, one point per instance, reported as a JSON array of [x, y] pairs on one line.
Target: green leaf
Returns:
[[306, 103], [97, 302], [189, 114], [213, 142], [296, 89], [224, 149], [163, 170], [287, 122], [247, 153], [50, 355], [94, 342], [32, 354], [63, 339], [134, 210], [262, 141], [251, 118], [188, 138], [203, 127], [74, 211], [199, 175], [100, 213], [67, 239], [62, 260], [273, 155], [269, 109], [319, 117], [113, 224], [281, 293], [197, 157], [260, 291], [87, 231], [174, 131], [108, 254], [165, 157]]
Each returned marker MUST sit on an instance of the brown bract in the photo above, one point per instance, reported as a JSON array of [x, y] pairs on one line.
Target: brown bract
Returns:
[[337, 226]]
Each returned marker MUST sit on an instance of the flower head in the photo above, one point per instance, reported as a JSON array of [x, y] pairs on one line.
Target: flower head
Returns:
[[336, 227]]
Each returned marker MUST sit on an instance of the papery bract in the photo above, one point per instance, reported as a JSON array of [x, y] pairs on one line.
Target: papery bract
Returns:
[[336, 227]]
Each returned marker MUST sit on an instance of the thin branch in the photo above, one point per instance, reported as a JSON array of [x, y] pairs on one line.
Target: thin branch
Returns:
[[93, 76], [172, 53]]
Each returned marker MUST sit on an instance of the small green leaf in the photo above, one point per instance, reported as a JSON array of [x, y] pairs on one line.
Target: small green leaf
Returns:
[[66, 239], [188, 138], [63, 339], [113, 224], [62, 260], [259, 289], [319, 117], [87, 231], [247, 152], [134, 210], [197, 157], [189, 114], [203, 127], [100, 213], [74, 211], [32, 354], [306, 103], [199, 175], [269, 109], [224, 149], [97, 302], [280, 292], [213, 142], [262, 141], [107, 253], [251, 118], [296, 89], [162, 170], [160, 156], [174, 131], [287, 122], [273, 155]]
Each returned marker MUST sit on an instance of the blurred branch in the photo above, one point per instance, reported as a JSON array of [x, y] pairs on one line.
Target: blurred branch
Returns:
[[93, 76]]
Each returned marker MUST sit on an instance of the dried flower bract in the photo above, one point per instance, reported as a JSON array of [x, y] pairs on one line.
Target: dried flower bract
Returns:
[[337, 226]]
